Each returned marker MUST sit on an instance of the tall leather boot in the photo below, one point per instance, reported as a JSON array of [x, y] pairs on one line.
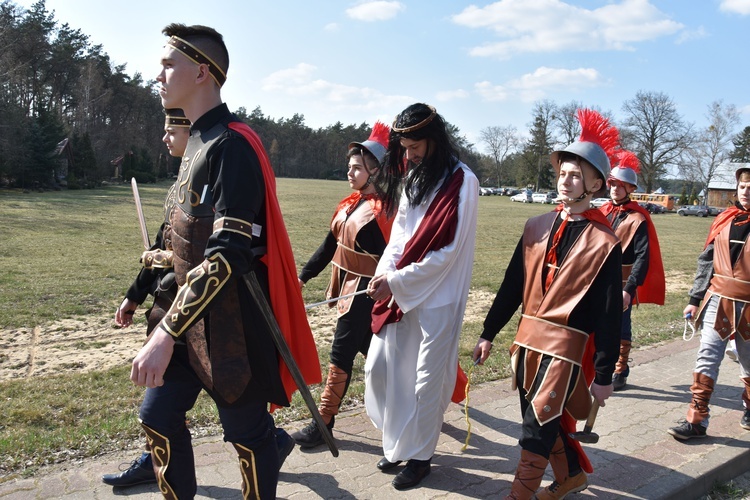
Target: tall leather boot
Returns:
[[622, 370], [528, 476], [693, 427], [564, 483], [330, 401], [259, 468], [177, 481]]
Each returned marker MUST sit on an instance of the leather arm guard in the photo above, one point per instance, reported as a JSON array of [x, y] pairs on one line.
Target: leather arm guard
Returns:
[[202, 284], [157, 259]]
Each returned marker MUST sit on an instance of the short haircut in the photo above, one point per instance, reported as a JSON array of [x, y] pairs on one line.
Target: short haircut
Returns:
[[208, 40]]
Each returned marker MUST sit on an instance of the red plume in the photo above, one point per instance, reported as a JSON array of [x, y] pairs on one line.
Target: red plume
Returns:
[[380, 133], [597, 129], [628, 159]]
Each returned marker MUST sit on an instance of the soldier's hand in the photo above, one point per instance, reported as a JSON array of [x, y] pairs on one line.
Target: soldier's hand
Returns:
[[124, 313], [152, 360]]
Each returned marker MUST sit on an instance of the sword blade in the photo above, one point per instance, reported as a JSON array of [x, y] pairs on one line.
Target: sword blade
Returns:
[[316, 304], [278, 338], [141, 217]]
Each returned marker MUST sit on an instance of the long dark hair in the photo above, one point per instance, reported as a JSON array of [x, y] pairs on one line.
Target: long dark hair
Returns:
[[418, 121]]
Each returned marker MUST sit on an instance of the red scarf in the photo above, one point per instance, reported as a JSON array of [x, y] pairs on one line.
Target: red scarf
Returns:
[[722, 220], [551, 258], [376, 205], [653, 289], [437, 230], [286, 297]]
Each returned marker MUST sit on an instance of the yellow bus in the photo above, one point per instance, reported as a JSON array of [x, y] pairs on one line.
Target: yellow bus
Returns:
[[665, 200]]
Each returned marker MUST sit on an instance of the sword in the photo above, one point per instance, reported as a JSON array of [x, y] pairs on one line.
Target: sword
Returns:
[[257, 293], [310, 306], [141, 217]]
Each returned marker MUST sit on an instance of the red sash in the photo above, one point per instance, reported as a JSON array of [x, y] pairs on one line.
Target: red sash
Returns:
[[653, 289], [286, 297], [720, 222], [437, 230]]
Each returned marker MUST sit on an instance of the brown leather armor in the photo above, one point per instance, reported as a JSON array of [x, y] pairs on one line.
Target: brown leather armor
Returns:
[[730, 284], [353, 263], [544, 329]]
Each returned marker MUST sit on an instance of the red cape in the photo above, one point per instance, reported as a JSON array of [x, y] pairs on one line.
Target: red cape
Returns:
[[376, 204], [720, 222], [653, 289], [286, 297]]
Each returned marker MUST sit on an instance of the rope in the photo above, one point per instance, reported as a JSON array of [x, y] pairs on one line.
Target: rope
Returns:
[[466, 404], [685, 330]]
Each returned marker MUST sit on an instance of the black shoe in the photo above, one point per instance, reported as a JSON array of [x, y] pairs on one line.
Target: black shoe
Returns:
[[412, 475], [745, 421], [619, 380], [141, 471], [384, 465], [686, 431], [284, 443], [310, 436]]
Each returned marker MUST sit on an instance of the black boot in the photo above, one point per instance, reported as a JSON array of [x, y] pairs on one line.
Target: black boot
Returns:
[[412, 475], [310, 435], [141, 471]]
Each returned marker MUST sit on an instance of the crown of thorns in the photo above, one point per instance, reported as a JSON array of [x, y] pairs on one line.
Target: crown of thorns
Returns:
[[412, 128]]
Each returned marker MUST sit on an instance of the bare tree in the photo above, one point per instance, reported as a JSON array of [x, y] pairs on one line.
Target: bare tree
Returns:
[[567, 122], [712, 145], [500, 142], [536, 150], [656, 133]]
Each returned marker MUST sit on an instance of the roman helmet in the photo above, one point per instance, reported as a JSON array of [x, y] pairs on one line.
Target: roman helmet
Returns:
[[377, 143], [596, 143], [627, 169]]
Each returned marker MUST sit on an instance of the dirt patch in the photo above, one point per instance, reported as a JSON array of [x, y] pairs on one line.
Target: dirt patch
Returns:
[[94, 343]]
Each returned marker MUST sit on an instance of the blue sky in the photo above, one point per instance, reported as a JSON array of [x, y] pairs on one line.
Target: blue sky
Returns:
[[481, 64]]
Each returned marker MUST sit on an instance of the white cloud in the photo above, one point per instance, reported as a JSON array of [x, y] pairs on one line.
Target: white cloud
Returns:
[[745, 110], [735, 6], [688, 35], [378, 10], [300, 82], [451, 95], [543, 81], [549, 26], [331, 27]]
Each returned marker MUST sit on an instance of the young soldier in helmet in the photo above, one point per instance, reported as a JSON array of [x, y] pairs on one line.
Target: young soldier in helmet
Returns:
[[720, 289], [359, 233], [566, 273], [226, 223], [642, 268]]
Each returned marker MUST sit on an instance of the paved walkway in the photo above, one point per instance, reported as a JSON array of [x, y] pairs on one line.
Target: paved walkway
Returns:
[[634, 458]]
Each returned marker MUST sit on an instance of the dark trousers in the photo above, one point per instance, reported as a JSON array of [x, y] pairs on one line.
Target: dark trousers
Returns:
[[353, 333], [536, 438], [164, 409]]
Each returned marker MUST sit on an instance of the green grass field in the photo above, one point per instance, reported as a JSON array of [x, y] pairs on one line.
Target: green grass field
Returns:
[[72, 254]]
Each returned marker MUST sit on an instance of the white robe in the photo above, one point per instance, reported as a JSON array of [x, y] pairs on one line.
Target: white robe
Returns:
[[410, 370]]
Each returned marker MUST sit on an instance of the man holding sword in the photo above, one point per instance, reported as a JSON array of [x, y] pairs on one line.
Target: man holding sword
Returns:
[[226, 225]]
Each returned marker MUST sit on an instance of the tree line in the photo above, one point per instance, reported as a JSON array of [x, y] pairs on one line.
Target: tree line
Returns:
[[69, 116]]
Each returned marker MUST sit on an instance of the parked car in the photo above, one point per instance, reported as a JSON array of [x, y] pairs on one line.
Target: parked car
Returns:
[[598, 202], [485, 191], [511, 191], [523, 197], [699, 210], [551, 198], [653, 208], [539, 197]]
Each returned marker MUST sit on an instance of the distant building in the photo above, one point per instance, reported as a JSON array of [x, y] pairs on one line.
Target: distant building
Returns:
[[723, 186]]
